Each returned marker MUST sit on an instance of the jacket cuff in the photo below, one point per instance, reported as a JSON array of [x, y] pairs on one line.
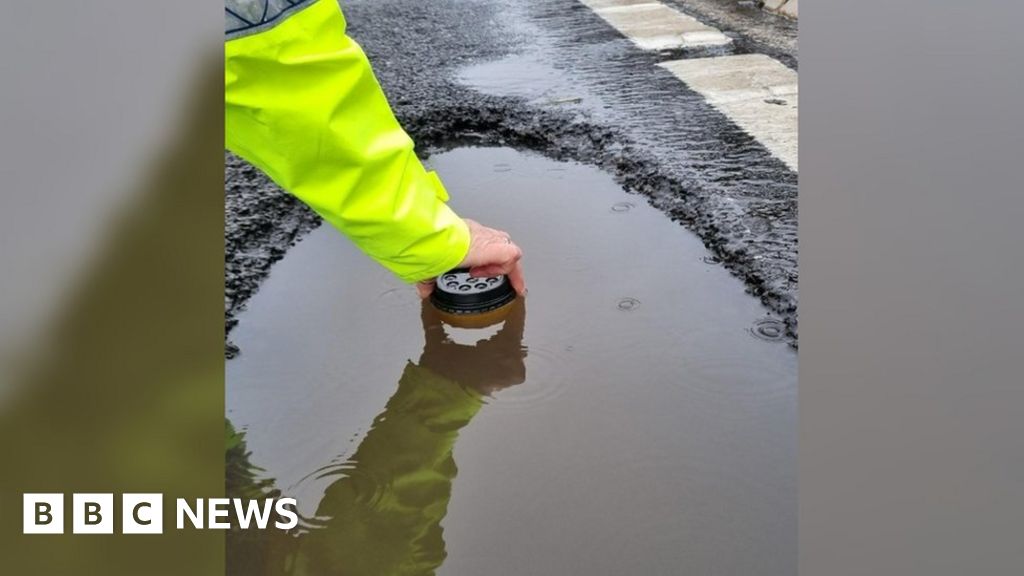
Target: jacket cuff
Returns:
[[458, 247]]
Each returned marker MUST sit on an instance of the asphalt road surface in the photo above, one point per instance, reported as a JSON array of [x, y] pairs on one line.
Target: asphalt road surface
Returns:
[[692, 104]]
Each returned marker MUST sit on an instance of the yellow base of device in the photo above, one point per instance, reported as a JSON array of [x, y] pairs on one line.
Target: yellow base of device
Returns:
[[481, 320]]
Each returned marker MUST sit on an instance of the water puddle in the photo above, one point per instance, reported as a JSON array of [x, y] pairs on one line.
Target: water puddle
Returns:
[[526, 76], [623, 419]]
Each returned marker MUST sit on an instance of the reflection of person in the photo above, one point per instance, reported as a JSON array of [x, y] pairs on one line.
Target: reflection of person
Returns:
[[382, 514], [302, 104], [385, 512]]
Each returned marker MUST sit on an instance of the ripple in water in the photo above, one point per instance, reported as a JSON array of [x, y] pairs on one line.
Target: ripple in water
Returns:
[[364, 488], [545, 381], [769, 329], [712, 259], [623, 207], [628, 304]]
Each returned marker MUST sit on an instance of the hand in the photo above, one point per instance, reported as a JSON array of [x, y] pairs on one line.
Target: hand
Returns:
[[491, 253]]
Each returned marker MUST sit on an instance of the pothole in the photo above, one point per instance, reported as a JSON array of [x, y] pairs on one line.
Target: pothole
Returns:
[[575, 378]]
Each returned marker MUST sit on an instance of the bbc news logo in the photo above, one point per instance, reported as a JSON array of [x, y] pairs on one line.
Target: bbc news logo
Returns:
[[144, 513]]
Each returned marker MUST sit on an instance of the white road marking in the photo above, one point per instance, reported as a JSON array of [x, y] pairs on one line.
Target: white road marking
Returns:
[[757, 92], [790, 9], [654, 26], [784, 7]]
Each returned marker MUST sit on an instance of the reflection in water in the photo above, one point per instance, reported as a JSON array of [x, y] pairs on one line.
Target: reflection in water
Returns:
[[653, 434], [382, 513]]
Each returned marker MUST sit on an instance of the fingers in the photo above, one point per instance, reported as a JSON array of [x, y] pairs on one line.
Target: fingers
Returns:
[[494, 258], [425, 288], [492, 253], [487, 271], [517, 279], [514, 272]]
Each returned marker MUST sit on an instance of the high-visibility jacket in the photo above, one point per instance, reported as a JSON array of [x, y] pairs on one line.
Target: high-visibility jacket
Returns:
[[302, 104]]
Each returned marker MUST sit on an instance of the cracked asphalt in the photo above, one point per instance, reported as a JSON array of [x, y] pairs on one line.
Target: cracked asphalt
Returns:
[[553, 77]]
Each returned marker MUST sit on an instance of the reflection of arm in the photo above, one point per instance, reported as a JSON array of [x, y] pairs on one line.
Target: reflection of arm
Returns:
[[302, 104], [384, 514]]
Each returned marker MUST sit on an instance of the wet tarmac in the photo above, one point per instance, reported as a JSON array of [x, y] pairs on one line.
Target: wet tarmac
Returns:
[[635, 414], [552, 76]]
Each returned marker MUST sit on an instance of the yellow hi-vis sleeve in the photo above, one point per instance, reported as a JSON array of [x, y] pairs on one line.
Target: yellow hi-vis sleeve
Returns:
[[302, 104]]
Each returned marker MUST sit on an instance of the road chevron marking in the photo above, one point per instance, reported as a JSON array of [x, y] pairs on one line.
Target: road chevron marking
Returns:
[[654, 26], [757, 92]]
